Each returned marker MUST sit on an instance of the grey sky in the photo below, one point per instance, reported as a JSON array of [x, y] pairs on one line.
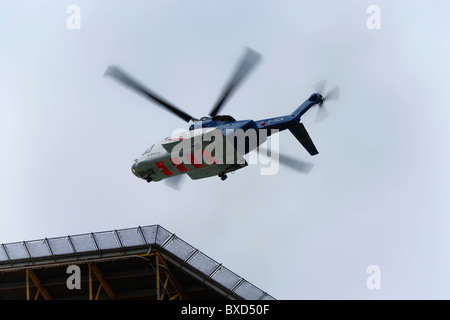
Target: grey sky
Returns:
[[377, 195]]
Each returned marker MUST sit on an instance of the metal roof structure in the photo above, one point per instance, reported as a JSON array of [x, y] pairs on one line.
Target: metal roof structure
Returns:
[[135, 263]]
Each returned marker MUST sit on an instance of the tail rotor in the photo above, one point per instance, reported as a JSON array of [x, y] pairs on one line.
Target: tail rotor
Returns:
[[329, 95]]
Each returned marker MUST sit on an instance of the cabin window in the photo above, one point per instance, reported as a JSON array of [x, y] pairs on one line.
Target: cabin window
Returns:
[[148, 150]]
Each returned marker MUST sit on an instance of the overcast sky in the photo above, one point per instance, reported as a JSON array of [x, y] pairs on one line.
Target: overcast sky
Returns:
[[379, 190]]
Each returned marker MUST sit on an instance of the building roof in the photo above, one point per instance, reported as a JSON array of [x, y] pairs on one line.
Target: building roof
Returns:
[[124, 262]]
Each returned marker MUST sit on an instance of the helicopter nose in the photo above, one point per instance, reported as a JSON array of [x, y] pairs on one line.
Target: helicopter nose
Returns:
[[134, 169]]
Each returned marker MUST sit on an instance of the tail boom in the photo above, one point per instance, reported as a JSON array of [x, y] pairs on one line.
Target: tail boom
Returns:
[[292, 122]]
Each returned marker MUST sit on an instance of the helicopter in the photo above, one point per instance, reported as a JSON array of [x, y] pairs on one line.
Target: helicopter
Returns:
[[215, 145]]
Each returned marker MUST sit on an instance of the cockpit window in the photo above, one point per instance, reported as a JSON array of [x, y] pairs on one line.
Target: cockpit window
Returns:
[[148, 150]]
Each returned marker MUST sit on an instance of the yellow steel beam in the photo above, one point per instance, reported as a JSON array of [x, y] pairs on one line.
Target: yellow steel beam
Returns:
[[37, 294], [37, 283], [175, 296], [103, 283], [90, 281], [165, 285], [158, 297], [28, 284], [172, 279], [160, 261], [98, 291]]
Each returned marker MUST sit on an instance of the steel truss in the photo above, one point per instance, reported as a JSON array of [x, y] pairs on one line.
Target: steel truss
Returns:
[[167, 287]]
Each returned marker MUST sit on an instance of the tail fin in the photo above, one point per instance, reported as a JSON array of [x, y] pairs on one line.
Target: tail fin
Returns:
[[299, 131]]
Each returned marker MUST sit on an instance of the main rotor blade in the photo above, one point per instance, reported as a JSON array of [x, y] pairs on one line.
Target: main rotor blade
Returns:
[[293, 163], [248, 61], [175, 182], [125, 79]]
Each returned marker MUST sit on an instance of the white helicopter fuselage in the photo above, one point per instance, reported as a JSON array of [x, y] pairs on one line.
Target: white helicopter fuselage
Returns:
[[193, 152]]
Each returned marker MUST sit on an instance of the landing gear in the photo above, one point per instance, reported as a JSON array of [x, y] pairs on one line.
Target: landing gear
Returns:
[[222, 176], [148, 178]]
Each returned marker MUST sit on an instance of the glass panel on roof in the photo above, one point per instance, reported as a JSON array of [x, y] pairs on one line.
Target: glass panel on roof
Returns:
[[248, 291], [60, 245], [83, 243], [106, 240], [226, 278], [203, 263], [162, 235], [16, 251], [130, 237], [150, 234], [38, 248], [179, 248], [3, 256]]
